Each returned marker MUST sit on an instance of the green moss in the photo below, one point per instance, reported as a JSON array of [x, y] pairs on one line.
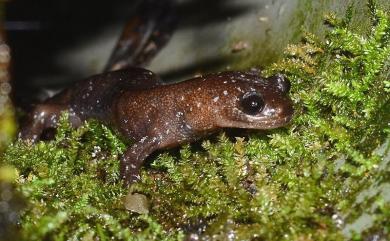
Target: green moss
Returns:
[[293, 19], [303, 182], [73, 188]]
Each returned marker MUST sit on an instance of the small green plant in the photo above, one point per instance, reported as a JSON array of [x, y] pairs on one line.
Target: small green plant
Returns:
[[302, 182]]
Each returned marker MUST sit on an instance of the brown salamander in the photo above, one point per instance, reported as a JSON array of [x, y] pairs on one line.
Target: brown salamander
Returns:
[[155, 115]]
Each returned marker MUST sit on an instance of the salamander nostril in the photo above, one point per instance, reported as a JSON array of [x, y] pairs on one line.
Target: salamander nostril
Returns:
[[281, 82]]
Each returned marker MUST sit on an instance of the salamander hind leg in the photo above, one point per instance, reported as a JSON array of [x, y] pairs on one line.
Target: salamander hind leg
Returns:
[[133, 158], [43, 116]]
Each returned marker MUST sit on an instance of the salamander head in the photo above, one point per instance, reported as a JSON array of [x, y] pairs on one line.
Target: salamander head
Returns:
[[249, 101]]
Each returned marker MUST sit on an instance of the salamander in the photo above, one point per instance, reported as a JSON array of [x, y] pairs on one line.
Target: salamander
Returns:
[[155, 115], [136, 103]]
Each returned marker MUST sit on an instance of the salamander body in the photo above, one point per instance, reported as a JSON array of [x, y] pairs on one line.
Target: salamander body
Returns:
[[136, 103]]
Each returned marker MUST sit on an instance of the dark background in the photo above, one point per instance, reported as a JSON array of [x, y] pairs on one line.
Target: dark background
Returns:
[[39, 30]]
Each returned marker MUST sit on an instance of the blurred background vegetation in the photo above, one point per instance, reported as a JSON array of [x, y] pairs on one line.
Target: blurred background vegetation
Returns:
[[7, 121]]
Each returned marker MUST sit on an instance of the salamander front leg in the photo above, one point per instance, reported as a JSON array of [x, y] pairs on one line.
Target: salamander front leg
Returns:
[[133, 158]]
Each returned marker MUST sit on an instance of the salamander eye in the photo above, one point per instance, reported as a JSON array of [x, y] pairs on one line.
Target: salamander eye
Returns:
[[252, 103]]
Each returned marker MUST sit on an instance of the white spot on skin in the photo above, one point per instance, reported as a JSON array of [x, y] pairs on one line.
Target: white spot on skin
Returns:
[[225, 92], [216, 98], [198, 104], [269, 112]]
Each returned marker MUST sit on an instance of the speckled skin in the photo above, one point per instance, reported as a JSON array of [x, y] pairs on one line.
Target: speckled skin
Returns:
[[137, 104]]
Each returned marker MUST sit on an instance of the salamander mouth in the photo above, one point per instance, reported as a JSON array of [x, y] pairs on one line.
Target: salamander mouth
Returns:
[[275, 123], [259, 122]]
